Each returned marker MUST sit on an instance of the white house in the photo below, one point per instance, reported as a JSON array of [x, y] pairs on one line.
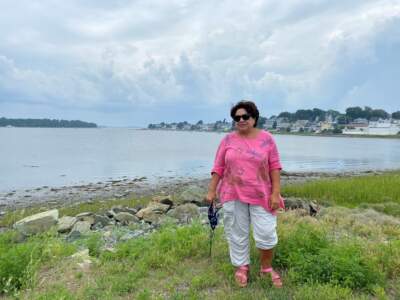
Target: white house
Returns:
[[381, 127]]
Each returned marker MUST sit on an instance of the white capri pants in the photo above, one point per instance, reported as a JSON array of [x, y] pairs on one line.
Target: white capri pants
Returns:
[[237, 219]]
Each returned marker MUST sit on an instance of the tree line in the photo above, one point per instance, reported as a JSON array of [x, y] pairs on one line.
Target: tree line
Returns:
[[45, 123], [351, 114]]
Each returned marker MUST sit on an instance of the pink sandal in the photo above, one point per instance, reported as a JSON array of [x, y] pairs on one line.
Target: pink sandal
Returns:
[[276, 278], [241, 276]]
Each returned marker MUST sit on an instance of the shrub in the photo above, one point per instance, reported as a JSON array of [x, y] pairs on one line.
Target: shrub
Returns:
[[312, 258], [303, 239], [19, 261], [341, 264]]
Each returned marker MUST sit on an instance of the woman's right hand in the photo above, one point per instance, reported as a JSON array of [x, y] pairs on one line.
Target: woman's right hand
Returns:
[[211, 196]]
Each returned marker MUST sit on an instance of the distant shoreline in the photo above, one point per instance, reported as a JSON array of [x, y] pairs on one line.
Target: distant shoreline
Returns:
[[293, 134], [44, 123]]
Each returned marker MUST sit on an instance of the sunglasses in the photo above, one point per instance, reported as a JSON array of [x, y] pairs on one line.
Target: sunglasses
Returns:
[[245, 117]]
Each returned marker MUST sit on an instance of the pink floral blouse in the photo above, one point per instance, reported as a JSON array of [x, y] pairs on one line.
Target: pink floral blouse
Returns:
[[244, 165]]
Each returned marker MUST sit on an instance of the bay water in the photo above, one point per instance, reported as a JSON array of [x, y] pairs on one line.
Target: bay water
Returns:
[[34, 157]]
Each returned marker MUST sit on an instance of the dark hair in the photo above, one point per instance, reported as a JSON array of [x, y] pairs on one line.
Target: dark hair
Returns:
[[250, 108]]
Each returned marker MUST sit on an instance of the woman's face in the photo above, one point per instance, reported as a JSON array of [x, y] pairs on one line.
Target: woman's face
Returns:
[[243, 125]]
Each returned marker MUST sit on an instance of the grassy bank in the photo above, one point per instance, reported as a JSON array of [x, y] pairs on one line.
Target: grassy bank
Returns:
[[348, 251], [342, 254], [380, 192]]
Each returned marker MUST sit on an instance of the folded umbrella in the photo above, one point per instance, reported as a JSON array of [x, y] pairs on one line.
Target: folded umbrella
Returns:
[[213, 216]]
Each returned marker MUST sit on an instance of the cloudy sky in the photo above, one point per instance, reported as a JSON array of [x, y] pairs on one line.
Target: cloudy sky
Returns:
[[130, 63]]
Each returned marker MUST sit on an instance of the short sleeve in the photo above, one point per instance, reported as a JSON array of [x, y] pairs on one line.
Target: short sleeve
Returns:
[[219, 162], [274, 160]]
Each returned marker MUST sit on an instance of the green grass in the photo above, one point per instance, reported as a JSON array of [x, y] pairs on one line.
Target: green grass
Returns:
[[19, 261], [333, 256], [351, 191], [348, 252]]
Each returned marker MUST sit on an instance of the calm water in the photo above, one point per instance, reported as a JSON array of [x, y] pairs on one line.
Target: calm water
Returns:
[[32, 157]]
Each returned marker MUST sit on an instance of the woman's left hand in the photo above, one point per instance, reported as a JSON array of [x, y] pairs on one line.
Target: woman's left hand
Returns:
[[275, 200]]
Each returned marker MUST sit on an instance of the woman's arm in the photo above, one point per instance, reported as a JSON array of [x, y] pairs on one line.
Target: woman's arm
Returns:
[[212, 187], [275, 181], [276, 188], [216, 172], [275, 175]]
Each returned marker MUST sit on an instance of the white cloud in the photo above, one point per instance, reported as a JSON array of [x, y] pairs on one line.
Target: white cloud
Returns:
[[123, 55]]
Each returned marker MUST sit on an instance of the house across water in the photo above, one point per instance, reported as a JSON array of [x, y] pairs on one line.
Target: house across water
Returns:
[[381, 127]]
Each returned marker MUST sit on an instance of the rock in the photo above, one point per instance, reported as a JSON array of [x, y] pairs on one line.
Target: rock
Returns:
[[83, 259], [121, 195], [167, 202], [147, 227], [151, 209], [126, 218], [66, 223], [152, 217], [131, 235], [163, 199], [203, 210], [164, 219], [101, 221], [37, 223], [314, 209], [118, 209], [80, 228], [193, 194], [110, 237], [130, 210], [86, 216], [111, 214], [185, 213], [295, 203]]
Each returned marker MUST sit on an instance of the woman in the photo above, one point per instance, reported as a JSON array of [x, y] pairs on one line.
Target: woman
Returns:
[[247, 173]]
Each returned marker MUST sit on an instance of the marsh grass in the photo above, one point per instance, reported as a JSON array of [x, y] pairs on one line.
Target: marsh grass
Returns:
[[383, 191]]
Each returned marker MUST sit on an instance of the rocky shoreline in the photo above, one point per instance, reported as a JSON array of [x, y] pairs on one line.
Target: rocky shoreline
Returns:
[[128, 188]]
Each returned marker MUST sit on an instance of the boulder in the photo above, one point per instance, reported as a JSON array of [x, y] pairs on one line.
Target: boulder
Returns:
[[295, 203], [37, 223], [80, 228], [152, 217], [152, 209], [164, 200], [110, 214], [184, 213], [193, 194], [126, 218], [118, 209], [314, 209], [86, 216], [66, 223], [101, 221], [164, 219]]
